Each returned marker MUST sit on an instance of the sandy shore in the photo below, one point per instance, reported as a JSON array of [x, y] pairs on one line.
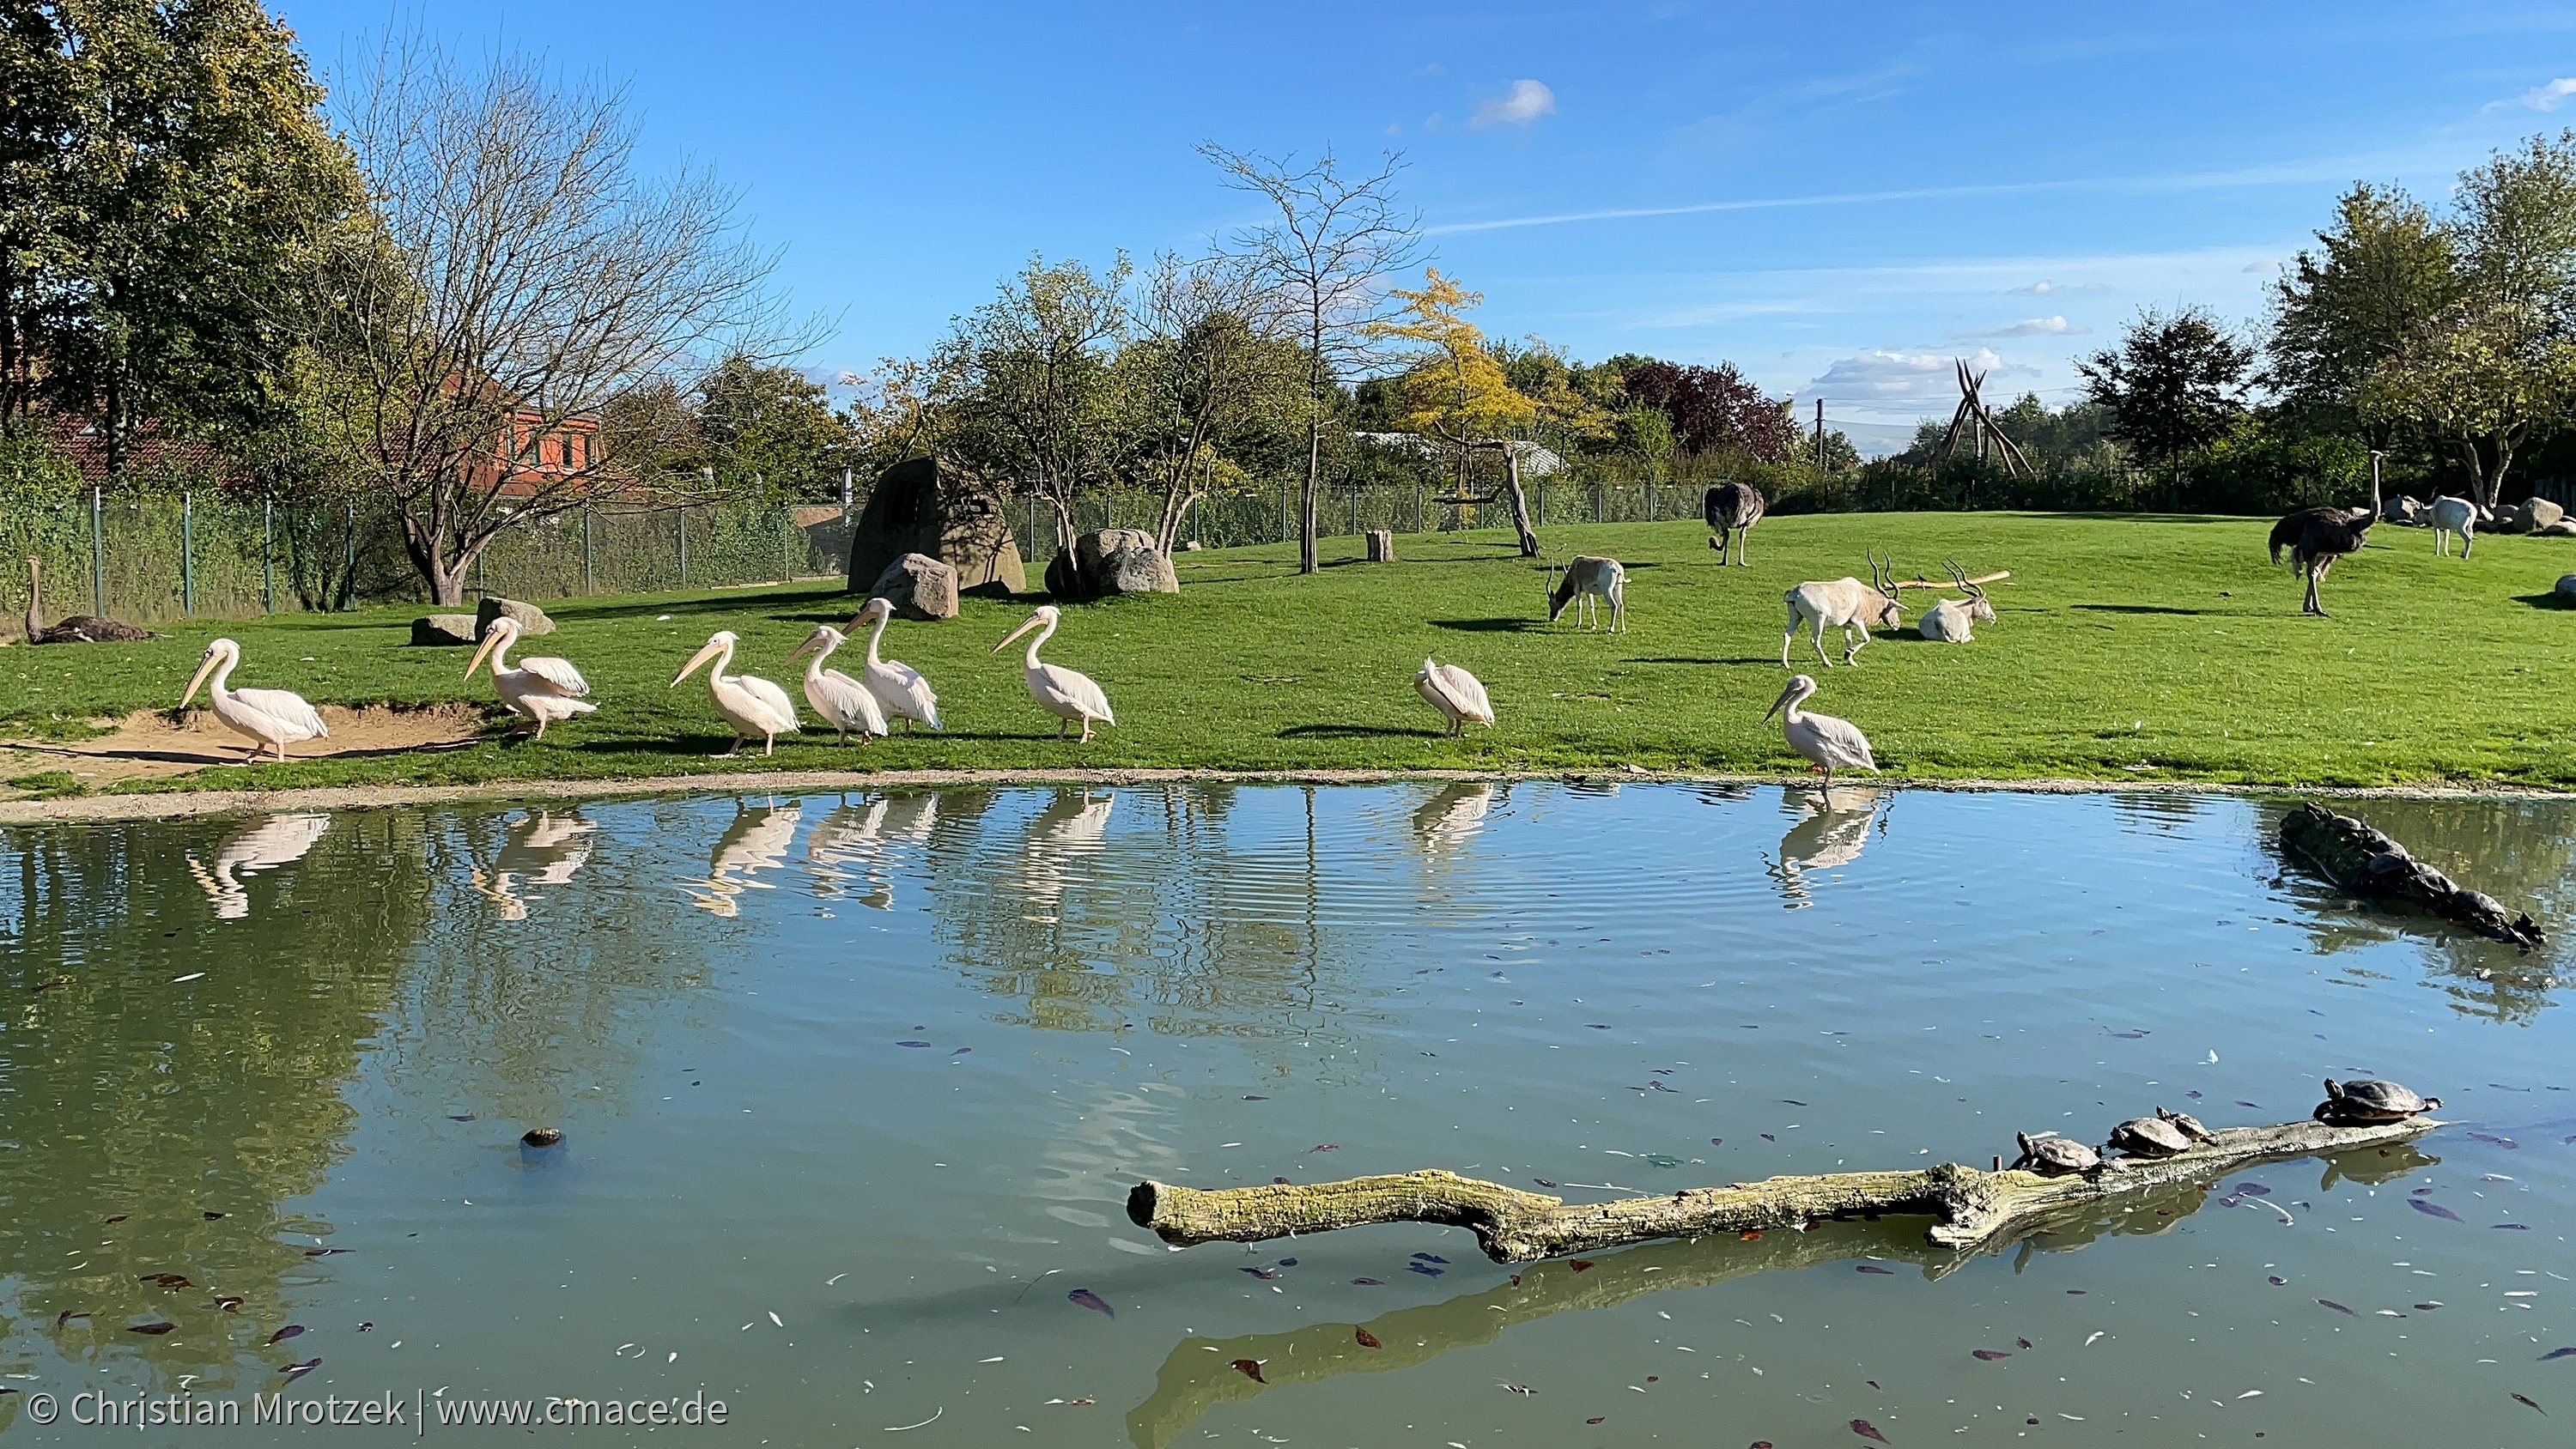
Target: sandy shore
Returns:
[[186, 805]]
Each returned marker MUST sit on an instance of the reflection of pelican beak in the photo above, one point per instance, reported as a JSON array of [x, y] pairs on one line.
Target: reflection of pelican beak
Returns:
[[1030, 623], [205, 667], [491, 642], [713, 648]]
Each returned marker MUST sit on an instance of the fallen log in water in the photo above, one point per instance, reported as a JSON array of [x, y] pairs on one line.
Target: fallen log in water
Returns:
[[2368, 863], [1514, 1226]]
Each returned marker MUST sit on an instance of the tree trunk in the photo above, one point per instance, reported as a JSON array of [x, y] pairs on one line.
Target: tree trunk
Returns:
[[1970, 1206], [1519, 501], [2368, 863], [1306, 560]]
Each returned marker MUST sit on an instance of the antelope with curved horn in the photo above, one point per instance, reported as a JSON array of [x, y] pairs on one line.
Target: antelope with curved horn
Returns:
[[1951, 621], [1844, 603]]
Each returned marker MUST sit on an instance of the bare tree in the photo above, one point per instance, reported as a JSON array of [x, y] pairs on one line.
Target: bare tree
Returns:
[[1326, 255], [522, 278], [1207, 363]]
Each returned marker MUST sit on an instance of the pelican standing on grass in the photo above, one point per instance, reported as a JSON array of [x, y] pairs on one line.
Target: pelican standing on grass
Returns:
[[544, 689], [274, 718], [751, 705], [843, 702], [900, 690], [1833, 744], [1058, 690], [1458, 695]]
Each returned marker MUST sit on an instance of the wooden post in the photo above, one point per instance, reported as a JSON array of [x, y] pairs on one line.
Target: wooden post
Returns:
[[1381, 545], [587, 584], [187, 553], [98, 551], [268, 556]]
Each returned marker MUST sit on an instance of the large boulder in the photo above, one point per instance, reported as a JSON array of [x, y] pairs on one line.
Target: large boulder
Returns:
[[439, 631], [2567, 587], [2533, 515], [919, 586], [933, 507], [2563, 528], [2402, 510], [1111, 561], [529, 618]]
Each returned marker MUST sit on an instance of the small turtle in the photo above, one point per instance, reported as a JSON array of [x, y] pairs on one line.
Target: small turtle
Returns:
[[2054, 1156], [2371, 1100], [2149, 1137], [2188, 1124]]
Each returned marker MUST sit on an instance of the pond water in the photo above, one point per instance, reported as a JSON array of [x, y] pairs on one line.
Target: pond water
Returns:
[[853, 1088]]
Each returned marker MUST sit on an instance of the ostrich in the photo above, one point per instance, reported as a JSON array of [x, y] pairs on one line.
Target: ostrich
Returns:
[[2319, 536], [1731, 509], [77, 629]]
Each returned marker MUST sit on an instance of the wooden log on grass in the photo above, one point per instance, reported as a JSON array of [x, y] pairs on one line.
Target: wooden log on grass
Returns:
[[2368, 863], [1513, 1226]]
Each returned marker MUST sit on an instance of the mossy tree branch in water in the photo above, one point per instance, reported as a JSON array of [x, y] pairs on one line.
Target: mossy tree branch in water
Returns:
[[1514, 1226]]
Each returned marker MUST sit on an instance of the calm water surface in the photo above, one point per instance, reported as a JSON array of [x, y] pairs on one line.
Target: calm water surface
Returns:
[[853, 1088]]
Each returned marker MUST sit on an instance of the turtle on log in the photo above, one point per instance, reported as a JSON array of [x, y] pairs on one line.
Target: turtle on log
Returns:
[[2054, 1156], [2371, 1100], [2149, 1137]]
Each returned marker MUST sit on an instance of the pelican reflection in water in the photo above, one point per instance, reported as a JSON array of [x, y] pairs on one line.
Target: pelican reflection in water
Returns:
[[1824, 838], [1452, 816], [855, 845], [278, 840], [1072, 826], [756, 841], [543, 849]]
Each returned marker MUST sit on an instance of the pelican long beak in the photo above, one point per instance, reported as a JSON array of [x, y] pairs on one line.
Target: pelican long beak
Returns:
[[1026, 626], [204, 668], [1781, 703], [812, 641], [712, 649], [491, 641]]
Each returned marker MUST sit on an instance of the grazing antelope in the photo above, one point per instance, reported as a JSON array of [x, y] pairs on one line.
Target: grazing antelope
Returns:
[[1951, 620], [2450, 516], [1731, 509], [1587, 580], [1843, 603]]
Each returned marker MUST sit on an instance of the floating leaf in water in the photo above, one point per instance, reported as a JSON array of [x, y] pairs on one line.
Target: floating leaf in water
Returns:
[[2024, 1342], [1749, 1234], [2128, 1035], [2277, 1281], [1874, 1268], [2257, 1106], [2528, 1404], [1251, 1369], [1429, 1258], [1867, 1430], [67, 1315], [2430, 1208], [166, 1280], [1660, 1159], [155, 1329], [1717, 1142], [1256, 1099], [1597, 1418], [292, 1330], [1365, 1338], [912, 1043], [326, 1252], [1084, 1297], [1287, 1262], [1989, 1355], [2517, 1227], [2251, 1189], [2489, 1137], [1792, 1101], [120, 1217], [1767, 1137], [298, 1370], [1543, 1182], [1369, 1282], [1263, 1274], [1581, 1264], [2337, 1307], [2558, 1353], [1425, 1269], [1325, 1147], [228, 1302]]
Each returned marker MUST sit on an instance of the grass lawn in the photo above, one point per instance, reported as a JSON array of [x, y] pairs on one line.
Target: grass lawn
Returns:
[[2126, 648]]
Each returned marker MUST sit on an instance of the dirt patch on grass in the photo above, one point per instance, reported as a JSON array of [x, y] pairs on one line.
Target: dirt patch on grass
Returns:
[[149, 745]]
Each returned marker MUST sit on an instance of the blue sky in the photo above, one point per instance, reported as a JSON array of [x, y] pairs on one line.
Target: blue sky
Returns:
[[1838, 198]]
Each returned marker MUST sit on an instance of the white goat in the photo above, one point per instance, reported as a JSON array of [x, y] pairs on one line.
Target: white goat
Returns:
[[1586, 580], [2450, 516], [1950, 620], [1843, 604]]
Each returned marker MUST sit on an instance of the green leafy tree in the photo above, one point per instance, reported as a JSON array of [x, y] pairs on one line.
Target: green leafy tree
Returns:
[[1207, 379], [1454, 389], [1026, 386], [2382, 271], [769, 427], [2174, 386]]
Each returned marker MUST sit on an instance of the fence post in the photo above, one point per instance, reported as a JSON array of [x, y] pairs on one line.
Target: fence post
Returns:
[[1417, 507], [187, 553], [682, 513], [1650, 500], [1355, 507], [268, 556], [1542, 502], [786, 546], [349, 573], [587, 586]]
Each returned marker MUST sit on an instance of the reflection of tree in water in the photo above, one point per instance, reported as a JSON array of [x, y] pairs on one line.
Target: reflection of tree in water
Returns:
[[2518, 851], [133, 1093], [2156, 812], [1163, 921], [1822, 838]]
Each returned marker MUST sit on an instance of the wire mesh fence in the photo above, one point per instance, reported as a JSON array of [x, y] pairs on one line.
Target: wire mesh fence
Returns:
[[1269, 515]]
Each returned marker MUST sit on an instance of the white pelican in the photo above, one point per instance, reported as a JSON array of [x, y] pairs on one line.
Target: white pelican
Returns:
[[900, 690], [544, 689], [271, 717], [753, 706], [1458, 695], [1058, 690], [843, 702], [1834, 744]]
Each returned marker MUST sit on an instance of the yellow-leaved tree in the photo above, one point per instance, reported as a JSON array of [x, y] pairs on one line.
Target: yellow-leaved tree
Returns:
[[1453, 389]]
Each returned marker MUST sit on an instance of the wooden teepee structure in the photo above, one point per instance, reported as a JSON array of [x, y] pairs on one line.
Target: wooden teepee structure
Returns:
[[1973, 418]]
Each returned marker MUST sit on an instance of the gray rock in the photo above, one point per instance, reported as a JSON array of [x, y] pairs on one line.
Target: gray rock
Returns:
[[935, 508], [440, 631], [2567, 587], [2402, 510], [919, 586], [531, 619], [1138, 570], [2536, 514], [1193, 546], [1111, 561], [2563, 528]]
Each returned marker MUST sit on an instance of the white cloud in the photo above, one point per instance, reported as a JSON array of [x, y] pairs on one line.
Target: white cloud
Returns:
[[1890, 381], [2046, 288], [2541, 98], [1525, 102], [2033, 327]]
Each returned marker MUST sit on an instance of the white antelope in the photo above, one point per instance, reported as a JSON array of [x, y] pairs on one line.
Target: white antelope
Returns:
[[1951, 621], [1588, 580], [1830, 743], [543, 689], [1458, 695], [751, 705], [1059, 691], [2450, 516], [1845, 603], [270, 718], [900, 690], [843, 702]]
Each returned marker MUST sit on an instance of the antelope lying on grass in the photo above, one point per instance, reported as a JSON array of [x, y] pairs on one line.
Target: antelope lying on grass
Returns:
[[1845, 604], [1951, 620], [1588, 579]]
